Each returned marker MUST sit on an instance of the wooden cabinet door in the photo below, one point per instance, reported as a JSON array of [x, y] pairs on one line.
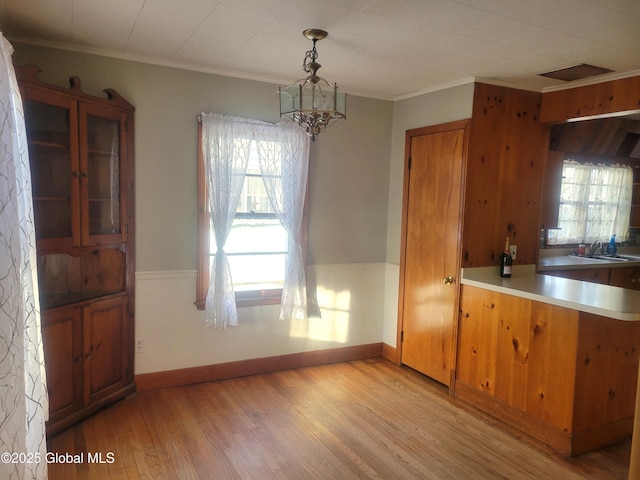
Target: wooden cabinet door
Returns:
[[430, 261], [62, 343], [106, 336]]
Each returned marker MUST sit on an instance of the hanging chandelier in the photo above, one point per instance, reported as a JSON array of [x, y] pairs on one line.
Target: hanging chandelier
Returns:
[[312, 102]]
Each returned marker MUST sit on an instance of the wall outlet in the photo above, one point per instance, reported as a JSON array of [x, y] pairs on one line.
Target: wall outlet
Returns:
[[513, 249], [139, 346]]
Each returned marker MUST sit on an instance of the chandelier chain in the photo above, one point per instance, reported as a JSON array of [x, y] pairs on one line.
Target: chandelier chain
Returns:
[[310, 57]]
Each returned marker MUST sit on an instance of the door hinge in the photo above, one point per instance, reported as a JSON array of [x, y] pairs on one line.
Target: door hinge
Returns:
[[409, 164], [126, 126], [126, 228], [402, 336]]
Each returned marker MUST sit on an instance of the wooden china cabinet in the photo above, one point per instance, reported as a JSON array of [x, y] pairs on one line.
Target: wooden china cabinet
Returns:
[[81, 156]]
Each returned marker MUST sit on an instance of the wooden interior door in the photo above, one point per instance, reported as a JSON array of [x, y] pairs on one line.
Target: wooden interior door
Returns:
[[430, 260]]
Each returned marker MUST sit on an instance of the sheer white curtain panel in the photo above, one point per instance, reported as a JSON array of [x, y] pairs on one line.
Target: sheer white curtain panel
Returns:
[[283, 152], [595, 202], [23, 398], [226, 142]]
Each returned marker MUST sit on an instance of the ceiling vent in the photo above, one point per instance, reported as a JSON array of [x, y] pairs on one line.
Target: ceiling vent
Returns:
[[577, 72]]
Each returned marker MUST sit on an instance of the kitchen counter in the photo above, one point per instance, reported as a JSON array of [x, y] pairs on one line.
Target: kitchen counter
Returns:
[[572, 262], [549, 355], [560, 259], [604, 300]]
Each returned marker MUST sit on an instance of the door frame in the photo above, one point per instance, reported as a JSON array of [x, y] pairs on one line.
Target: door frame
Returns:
[[409, 134]]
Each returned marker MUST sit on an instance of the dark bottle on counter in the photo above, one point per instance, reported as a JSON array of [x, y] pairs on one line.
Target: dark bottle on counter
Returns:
[[506, 261]]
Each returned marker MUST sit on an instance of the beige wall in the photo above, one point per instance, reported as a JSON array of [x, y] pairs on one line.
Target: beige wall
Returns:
[[443, 106], [349, 162], [348, 195], [355, 199]]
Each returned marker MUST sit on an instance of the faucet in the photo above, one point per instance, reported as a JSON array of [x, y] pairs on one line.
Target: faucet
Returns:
[[595, 246]]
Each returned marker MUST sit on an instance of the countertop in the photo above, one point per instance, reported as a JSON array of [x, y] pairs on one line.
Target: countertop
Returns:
[[604, 300], [549, 261]]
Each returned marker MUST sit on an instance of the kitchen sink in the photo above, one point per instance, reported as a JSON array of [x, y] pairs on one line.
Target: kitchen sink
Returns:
[[631, 258], [589, 258], [612, 258], [609, 258]]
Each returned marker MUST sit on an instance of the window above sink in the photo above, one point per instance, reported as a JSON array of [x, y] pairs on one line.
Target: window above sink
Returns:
[[595, 202]]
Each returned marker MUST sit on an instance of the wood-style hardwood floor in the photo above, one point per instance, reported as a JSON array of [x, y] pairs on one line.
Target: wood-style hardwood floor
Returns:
[[362, 419]]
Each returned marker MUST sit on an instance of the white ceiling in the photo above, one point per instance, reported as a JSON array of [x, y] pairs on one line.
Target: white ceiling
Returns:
[[386, 49]]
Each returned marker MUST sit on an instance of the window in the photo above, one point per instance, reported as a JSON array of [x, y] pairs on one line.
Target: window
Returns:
[[258, 244], [595, 202]]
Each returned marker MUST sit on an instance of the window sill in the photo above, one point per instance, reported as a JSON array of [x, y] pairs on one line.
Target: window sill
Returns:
[[253, 298]]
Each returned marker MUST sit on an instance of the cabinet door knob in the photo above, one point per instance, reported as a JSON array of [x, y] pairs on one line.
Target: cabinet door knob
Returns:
[[448, 280], [79, 359], [88, 356]]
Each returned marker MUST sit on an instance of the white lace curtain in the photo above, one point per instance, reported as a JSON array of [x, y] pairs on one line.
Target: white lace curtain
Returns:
[[284, 164], [595, 202], [225, 148], [23, 398], [283, 151]]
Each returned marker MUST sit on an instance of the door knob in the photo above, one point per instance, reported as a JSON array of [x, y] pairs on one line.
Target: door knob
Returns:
[[448, 280]]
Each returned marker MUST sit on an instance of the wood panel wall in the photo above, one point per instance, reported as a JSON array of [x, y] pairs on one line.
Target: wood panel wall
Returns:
[[591, 100], [551, 189], [565, 377], [510, 349], [505, 166], [606, 371]]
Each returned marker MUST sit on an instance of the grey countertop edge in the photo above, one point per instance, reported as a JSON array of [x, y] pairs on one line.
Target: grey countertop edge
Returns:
[[604, 300], [560, 259], [544, 266]]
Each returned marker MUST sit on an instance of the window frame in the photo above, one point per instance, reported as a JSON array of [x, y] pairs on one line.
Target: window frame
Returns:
[[246, 298]]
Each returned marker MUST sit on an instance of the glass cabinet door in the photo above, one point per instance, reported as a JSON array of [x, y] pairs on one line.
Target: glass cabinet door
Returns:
[[100, 146], [103, 158], [76, 152], [52, 142]]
